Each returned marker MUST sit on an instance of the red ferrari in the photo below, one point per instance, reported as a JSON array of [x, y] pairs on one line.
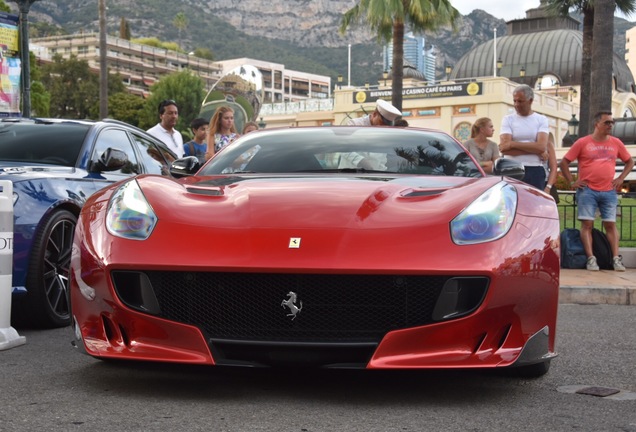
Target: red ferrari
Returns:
[[369, 247]]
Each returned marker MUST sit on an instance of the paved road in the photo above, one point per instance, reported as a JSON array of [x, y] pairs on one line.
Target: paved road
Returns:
[[45, 385]]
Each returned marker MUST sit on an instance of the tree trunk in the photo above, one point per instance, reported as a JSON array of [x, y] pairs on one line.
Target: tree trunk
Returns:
[[103, 68], [602, 56], [397, 72], [586, 70]]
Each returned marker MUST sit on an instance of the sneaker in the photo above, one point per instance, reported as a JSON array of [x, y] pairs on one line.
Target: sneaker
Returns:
[[618, 263], [592, 264]]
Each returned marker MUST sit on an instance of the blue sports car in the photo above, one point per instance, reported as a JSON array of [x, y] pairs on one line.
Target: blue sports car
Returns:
[[55, 165]]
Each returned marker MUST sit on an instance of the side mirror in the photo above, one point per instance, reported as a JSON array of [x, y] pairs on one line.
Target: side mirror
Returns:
[[509, 168], [186, 166], [111, 160]]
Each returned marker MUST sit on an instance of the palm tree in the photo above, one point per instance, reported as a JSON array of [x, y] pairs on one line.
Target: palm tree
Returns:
[[389, 17], [602, 58], [181, 23], [588, 62]]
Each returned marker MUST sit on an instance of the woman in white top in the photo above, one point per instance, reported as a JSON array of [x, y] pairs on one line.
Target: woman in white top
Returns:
[[483, 149]]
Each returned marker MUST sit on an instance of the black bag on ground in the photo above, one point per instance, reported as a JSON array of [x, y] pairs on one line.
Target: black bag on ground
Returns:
[[602, 250], [572, 252]]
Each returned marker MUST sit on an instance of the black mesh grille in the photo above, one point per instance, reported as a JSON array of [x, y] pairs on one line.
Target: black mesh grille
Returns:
[[335, 308]]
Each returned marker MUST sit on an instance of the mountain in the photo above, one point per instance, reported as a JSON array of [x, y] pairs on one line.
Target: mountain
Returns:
[[302, 34]]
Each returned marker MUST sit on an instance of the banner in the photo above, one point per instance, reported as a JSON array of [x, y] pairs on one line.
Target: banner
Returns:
[[432, 91], [10, 68]]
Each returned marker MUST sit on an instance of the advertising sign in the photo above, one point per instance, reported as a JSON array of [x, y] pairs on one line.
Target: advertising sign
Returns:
[[9, 66], [432, 91]]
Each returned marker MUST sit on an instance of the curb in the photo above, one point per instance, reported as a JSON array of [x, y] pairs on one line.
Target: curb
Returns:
[[586, 295]]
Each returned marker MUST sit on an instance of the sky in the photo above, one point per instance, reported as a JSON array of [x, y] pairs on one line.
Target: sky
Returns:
[[504, 9]]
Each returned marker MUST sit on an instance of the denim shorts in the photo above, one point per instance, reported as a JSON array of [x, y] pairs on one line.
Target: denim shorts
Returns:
[[588, 201]]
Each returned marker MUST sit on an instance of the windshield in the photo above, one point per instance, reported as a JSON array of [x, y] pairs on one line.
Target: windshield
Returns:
[[345, 149], [42, 143]]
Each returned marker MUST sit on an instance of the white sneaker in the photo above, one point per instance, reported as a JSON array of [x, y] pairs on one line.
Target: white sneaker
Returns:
[[618, 263], [591, 264]]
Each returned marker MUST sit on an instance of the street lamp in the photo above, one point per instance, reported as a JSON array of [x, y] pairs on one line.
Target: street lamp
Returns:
[[366, 85], [448, 69], [522, 72], [24, 6], [499, 66], [573, 126], [261, 124], [573, 93], [385, 75], [573, 132], [339, 81]]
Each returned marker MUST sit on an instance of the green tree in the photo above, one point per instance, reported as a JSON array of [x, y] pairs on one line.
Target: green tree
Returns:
[[183, 87], [588, 63], [124, 29], [74, 88], [4, 7], [126, 107], [40, 98], [388, 17], [204, 53], [181, 22]]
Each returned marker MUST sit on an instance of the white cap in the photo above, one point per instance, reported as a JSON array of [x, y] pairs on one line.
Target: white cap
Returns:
[[387, 110]]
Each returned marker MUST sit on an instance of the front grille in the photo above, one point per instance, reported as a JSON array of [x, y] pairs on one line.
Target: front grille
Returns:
[[335, 308]]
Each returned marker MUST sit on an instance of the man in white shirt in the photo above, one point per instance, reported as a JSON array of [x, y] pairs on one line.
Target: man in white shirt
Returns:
[[165, 131], [524, 136]]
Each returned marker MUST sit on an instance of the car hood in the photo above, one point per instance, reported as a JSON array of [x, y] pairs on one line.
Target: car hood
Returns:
[[312, 201]]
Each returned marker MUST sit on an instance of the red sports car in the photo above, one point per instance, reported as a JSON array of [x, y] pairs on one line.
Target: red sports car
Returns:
[[369, 247]]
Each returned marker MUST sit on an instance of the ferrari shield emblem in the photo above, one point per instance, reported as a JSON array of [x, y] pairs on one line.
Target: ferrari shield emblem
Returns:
[[294, 242]]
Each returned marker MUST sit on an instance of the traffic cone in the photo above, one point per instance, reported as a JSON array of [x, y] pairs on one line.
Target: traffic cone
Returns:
[[9, 337]]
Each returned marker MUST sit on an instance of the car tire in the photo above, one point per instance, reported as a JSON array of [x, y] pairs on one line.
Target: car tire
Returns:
[[47, 283], [534, 370]]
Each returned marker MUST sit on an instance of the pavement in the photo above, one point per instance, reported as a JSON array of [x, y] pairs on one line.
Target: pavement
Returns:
[[598, 287]]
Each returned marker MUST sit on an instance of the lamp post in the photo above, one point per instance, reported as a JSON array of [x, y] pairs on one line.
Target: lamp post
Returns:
[[573, 93], [385, 76], [339, 81], [573, 126], [24, 6], [573, 132], [448, 69], [366, 85], [522, 72], [499, 66], [261, 124]]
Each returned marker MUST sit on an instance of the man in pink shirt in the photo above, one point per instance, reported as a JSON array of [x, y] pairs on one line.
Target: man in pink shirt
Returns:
[[596, 186]]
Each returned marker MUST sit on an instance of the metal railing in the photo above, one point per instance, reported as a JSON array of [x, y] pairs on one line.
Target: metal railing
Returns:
[[625, 222]]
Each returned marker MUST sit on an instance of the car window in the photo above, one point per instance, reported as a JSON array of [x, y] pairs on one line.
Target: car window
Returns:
[[116, 139], [42, 143], [386, 150], [153, 159]]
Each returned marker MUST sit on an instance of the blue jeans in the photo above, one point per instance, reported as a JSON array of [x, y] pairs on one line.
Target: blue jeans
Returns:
[[589, 200]]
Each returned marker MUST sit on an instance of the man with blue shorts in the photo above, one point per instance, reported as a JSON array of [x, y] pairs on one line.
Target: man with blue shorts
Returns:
[[596, 186]]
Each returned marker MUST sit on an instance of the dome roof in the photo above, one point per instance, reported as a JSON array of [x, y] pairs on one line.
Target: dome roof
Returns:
[[554, 52]]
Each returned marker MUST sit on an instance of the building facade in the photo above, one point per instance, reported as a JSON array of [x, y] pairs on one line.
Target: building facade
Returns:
[[415, 54], [141, 66]]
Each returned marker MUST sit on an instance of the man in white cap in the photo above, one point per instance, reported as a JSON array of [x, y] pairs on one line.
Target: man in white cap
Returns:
[[383, 115]]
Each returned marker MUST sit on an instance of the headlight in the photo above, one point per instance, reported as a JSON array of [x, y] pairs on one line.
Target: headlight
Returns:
[[129, 214], [487, 218]]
